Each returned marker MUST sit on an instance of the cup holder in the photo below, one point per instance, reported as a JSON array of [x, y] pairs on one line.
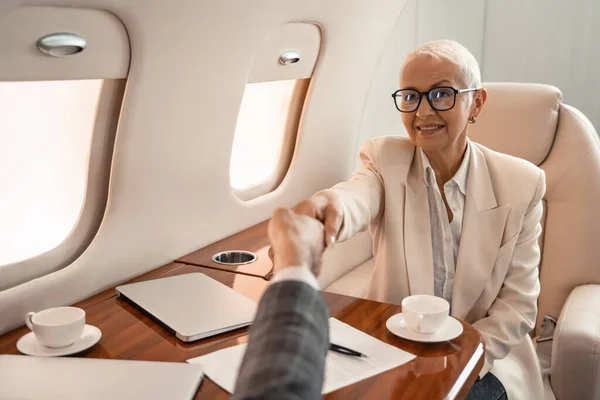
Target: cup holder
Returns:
[[234, 257]]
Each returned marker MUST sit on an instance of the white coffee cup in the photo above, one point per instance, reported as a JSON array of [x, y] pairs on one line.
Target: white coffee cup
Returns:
[[425, 314], [57, 327]]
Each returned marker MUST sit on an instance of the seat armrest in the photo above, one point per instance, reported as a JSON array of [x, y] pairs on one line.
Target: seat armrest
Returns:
[[344, 257], [575, 371], [356, 282]]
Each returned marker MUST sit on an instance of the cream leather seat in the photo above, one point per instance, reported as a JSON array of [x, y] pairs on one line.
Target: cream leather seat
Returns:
[[531, 122]]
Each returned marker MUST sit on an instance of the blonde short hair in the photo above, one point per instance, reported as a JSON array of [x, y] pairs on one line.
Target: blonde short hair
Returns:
[[454, 52]]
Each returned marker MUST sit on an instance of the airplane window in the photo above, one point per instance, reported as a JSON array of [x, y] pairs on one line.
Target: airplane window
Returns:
[[265, 135], [45, 135]]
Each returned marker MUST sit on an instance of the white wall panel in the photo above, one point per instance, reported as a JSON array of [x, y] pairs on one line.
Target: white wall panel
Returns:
[[547, 41], [380, 117], [460, 20]]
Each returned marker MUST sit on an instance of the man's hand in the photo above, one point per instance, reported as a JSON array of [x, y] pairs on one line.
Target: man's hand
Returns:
[[295, 240], [327, 208]]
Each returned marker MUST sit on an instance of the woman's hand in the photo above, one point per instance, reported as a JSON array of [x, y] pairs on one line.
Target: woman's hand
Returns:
[[327, 208]]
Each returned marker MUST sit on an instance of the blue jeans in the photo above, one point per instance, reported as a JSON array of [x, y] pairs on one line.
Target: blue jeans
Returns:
[[487, 388]]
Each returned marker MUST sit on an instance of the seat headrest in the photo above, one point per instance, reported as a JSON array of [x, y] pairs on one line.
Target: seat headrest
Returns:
[[519, 119]]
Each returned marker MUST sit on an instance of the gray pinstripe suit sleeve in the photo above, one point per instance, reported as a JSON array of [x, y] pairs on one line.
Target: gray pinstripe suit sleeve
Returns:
[[285, 357]]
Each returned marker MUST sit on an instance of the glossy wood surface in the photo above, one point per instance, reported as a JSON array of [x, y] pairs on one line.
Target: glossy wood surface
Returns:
[[440, 371], [253, 239]]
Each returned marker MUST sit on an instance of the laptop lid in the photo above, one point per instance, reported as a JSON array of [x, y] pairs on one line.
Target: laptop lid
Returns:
[[194, 306], [66, 378]]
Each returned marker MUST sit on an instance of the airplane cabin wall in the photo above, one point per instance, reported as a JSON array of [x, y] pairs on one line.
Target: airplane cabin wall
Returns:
[[546, 41], [169, 190]]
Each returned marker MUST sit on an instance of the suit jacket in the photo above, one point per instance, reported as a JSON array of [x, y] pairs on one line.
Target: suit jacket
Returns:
[[289, 339], [496, 284]]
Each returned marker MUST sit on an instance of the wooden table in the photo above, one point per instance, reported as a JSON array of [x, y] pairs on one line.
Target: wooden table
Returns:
[[440, 371]]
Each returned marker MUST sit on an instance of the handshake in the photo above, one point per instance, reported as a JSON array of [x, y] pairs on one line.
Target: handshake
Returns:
[[300, 235]]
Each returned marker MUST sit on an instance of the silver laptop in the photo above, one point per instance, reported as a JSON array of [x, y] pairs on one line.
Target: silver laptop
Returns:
[[193, 306], [66, 378]]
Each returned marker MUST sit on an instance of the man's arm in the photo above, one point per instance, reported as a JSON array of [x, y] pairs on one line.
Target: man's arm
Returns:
[[513, 313], [285, 357], [289, 338]]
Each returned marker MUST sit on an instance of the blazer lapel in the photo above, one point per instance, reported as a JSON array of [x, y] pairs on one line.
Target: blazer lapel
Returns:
[[482, 231], [417, 231]]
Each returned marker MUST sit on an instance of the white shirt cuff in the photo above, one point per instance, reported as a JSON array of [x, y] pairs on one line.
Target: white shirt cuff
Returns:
[[300, 273]]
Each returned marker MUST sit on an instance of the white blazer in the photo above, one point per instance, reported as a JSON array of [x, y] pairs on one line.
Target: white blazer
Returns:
[[496, 283]]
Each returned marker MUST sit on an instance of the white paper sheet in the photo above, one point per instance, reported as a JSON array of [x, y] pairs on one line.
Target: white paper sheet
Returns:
[[340, 370]]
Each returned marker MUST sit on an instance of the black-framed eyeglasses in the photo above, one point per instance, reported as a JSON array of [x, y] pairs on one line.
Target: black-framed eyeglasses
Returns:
[[440, 98]]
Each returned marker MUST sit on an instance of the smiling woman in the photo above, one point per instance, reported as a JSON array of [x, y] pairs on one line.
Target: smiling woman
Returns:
[[456, 194]]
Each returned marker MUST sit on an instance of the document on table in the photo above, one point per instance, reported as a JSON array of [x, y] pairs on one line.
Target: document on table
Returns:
[[340, 370]]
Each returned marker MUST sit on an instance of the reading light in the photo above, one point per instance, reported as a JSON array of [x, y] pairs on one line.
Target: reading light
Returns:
[[61, 44], [289, 57]]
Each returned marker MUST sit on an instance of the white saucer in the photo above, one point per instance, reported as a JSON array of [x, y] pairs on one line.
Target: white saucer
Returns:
[[452, 329], [29, 345]]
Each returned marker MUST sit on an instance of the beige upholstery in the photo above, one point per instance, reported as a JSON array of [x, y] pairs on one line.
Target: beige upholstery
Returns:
[[519, 119], [572, 165], [576, 347], [342, 259], [531, 122], [356, 282]]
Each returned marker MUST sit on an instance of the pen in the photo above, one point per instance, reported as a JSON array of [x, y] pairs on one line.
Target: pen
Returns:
[[345, 350]]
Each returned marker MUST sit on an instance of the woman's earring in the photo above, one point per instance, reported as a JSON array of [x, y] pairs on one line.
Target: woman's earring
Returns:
[[472, 120]]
